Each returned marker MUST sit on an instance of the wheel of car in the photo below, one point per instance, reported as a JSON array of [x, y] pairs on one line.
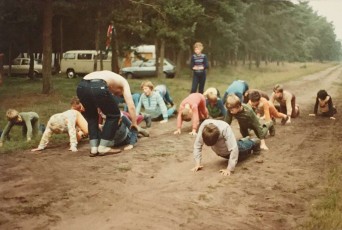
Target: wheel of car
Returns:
[[70, 73], [129, 76], [169, 75], [35, 74]]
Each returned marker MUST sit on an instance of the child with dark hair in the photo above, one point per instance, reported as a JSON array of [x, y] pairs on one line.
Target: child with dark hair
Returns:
[[220, 137], [29, 121], [262, 93], [326, 106], [263, 107], [247, 119]]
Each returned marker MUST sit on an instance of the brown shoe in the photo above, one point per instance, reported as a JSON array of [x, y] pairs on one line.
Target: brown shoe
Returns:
[[110, 151]]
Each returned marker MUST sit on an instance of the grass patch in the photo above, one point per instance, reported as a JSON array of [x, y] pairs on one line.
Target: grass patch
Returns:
[[326, 213]]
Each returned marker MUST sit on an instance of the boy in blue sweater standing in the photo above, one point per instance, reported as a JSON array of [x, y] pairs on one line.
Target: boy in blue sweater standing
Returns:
[[199, 64]]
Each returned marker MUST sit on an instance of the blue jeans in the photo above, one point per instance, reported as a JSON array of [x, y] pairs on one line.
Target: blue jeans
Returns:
[[198, 80], [245, 146], [95, 94]]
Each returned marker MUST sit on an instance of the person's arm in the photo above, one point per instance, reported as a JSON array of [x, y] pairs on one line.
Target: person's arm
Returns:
[[221, 107], [179, 120], [138, 108], [272, 98], [5, 132], [192, 62], [71, 123], [162, 106], [316, 106], [228, 118], [232, 147], [198, 149], [267, 115], [27, 119], [130, 104], [288, 104], [195, 118], [205, 62], [331, 108], [45, 139]]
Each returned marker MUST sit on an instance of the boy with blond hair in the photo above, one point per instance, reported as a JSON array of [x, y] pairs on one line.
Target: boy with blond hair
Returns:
[[28, 120], [220, 137], [199, 65], [247, 119], [192, 108], [153, 103], [214, 104]]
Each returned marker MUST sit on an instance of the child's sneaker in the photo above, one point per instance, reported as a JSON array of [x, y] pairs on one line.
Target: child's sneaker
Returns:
[[256, 147], [284, 120], [143, 132], [148, 120], [272, 130]]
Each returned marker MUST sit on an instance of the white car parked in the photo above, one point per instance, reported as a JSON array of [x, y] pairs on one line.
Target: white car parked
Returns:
[[21, 66], [148, 68]]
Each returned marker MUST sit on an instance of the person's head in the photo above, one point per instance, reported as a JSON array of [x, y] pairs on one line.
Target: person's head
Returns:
[[187, 113], [76, 104], [278, 90], [147, 87], [233, 104], [210, 134], [198, 47], [322, 94], [212, 97], [13, 115], [254, 96]]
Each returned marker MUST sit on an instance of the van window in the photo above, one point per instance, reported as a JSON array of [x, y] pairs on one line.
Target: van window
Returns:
[[104, 56], [69, 56], [16, 62], [26, 62], [84, 56]]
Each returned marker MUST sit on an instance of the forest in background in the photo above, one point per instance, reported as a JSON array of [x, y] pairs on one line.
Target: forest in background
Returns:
[[232, 31]]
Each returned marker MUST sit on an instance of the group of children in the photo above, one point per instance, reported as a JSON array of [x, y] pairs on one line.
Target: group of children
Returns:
[[95, 113], [210, 114]]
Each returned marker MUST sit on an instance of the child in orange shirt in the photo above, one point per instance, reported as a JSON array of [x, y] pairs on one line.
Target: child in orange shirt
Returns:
[[261, 106]]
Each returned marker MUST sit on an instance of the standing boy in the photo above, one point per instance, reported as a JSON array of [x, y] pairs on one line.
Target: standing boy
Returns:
[[199, 65]]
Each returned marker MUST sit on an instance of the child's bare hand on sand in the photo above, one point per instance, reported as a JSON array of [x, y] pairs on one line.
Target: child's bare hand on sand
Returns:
[[225, 172]]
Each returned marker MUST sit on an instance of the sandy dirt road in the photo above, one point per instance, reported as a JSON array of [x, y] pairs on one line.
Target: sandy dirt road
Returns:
[[152, 187]]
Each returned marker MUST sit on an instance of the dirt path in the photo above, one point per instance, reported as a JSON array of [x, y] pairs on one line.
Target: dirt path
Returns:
[[151, 187]]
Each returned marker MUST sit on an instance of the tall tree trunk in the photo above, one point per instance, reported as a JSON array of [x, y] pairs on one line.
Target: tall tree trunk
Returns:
[[161, 61], [115, 53], [61, 48], [97, 39], [179, 61], [47, 46], [157, 49]]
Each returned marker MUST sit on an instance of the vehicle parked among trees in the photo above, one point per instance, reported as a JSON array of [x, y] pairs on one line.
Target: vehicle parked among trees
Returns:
[[82, 62], [148, 68], [21, 66]]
